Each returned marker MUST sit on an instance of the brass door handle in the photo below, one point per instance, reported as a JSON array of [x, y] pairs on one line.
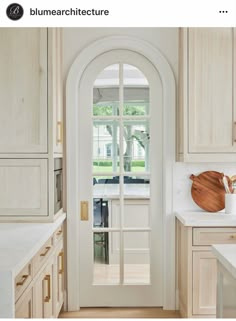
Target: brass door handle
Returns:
[[233, 237], [59, 132], [45, 253], [61, 255], [48, 280], [24, 278]]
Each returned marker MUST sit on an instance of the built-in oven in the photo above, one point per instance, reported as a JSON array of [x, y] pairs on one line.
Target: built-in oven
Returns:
[[58, 184]]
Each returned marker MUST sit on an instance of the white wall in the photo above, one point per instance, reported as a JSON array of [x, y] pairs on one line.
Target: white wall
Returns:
[[165, 39]]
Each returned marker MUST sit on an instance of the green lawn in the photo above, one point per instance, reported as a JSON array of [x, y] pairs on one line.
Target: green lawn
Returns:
[[100, 169]]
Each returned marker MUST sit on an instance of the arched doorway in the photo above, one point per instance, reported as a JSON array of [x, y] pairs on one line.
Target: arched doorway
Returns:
[[77, 80]]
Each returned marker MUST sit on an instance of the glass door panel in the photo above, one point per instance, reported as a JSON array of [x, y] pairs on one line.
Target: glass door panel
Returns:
[[136, 258], [106, 249], [106, 92], [136, 213], [136, 146], [121, 189], [105, 146], [106, 199], [136, 92]]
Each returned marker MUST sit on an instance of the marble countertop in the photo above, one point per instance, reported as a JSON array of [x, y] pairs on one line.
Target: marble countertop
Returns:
[[206, 219], [131, 191], [226, 254], [19, 242]]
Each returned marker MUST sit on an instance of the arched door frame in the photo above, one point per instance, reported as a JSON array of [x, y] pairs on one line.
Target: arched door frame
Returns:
[[72, 155]]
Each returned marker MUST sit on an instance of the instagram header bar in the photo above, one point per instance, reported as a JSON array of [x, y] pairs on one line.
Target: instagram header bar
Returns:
[[106, 13]]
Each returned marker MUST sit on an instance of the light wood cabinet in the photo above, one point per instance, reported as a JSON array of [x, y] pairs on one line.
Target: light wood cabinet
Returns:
[[23, 90], [23, 279], [31, 88], [23, 187], [206, 109], [43, 299], [56, 89], [24, 307], [204, 283], [58, 274], [31, 122], [197, 268], [39, 287]]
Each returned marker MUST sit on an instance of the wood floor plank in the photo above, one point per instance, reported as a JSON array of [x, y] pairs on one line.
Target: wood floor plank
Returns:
[[120, 313]]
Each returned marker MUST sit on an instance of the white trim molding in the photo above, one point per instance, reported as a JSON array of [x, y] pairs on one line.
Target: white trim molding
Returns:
[[72, 156]]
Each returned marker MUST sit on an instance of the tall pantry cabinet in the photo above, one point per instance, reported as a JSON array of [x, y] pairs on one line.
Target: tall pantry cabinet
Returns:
[[30, 121]]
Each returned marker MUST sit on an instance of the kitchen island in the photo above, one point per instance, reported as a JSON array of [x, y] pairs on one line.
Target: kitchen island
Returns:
[[226, 280], [112, 191]]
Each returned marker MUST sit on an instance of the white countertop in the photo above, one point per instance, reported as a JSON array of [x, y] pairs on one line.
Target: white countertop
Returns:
[[206, 219], [19, 242], [111, 191], [226, 254]]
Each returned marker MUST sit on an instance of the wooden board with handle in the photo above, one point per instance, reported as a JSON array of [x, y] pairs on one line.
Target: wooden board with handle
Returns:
[[208, 191]]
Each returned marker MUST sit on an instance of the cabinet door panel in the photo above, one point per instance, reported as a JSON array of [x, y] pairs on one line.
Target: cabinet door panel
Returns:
[[58, 279], [23, 90], [210, 90], [57, 90], [204, 283], [24, 307], [23, 187], [43, 299]]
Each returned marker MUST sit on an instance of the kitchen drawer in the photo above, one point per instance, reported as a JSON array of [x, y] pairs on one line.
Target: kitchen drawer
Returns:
[[215, 235], [23, 279], [58, 234], [42, 255]]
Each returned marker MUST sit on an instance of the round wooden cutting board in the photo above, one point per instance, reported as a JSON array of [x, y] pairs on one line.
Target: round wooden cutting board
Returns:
[[208, 191]]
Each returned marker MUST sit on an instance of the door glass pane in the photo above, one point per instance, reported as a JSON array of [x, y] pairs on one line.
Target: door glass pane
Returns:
[[107, 151], [136, 201], [136, 257], [136, 146], [106, 193], [106, 268], [105, 146], [136, 92], [106, 92], [136, 187]]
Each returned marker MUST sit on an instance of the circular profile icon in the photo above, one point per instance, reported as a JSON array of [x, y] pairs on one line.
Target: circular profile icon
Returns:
[[15, 11]]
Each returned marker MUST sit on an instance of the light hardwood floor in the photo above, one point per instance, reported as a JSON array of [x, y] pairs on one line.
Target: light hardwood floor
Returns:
[[120, 313], [110, 273]]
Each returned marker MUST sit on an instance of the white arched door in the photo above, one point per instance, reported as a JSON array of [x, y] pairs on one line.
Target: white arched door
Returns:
[[120, 182]]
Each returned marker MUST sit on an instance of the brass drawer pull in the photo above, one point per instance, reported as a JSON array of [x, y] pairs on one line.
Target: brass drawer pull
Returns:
[[45, 253], [24, 278], [59, 232], [59, 132], [48, 280], [61, 255], [233, 237]]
